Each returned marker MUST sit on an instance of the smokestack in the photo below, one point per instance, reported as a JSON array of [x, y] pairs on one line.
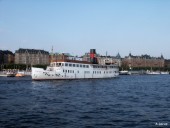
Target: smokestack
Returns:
[[93, 58]]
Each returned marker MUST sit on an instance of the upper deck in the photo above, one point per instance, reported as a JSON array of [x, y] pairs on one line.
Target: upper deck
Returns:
[[76, 64]]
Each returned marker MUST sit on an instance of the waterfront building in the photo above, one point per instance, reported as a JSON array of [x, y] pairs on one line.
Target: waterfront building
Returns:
[[86, 57], [1, 57], [62, 57], [167, 64], [6, 57], [31, 57], [143, 61]]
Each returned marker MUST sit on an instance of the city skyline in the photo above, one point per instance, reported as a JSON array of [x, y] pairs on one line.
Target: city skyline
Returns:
[[137, 27]]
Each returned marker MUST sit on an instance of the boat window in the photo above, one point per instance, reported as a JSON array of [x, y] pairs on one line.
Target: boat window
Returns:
[[59, 64], [73, 71], [80, 65], [68, 71], [73, 65], [51, 64], [86, 72], [87, 66], [62, 64], [77, 65], [84, 66], [66, 64], [63, 70], [70, 65]]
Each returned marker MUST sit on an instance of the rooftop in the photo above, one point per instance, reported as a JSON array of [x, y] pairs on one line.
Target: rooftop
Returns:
[[31, 51]]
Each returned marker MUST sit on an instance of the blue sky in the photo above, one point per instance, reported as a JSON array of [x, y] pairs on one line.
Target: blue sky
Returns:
[[76, 26]]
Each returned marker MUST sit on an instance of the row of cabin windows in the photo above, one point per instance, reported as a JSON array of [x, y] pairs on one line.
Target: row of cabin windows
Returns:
[[80, 65], [105, 72], [95, 66], [72, 71], [88, 72], [70, 65], [68, 71], [76, 65]]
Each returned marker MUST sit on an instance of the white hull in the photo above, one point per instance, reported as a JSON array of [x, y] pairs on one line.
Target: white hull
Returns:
[[153, 73], [124, 72], [165, 73], [156, 73], [55, 72]]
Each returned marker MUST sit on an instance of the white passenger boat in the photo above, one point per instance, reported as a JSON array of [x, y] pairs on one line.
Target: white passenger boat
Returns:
[[69, 69], [74, 70]]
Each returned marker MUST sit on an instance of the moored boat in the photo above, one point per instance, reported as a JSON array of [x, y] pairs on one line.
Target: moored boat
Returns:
[[10, 74], [20, 74], [153, 72], [165, 73], [124, 72], [3, 74]]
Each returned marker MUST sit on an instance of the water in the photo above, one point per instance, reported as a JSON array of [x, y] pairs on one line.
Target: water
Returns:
[[128, 101]]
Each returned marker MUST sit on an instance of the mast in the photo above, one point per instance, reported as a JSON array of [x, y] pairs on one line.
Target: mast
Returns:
[[52, 54]]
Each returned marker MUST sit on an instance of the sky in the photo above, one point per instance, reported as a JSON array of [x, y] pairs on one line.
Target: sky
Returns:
[[76, 26]]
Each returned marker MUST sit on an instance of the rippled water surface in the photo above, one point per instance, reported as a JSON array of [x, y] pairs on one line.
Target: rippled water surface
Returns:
[[128, 101]]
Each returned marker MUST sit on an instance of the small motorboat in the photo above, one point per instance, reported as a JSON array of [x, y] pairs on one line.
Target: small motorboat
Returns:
[[20, 74], [10, 74]]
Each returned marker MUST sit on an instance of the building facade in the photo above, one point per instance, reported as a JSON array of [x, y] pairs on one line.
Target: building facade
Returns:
[[31, 57], [167, 64], [143, 61], [1, 57], [63, 57], [6, 57]]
